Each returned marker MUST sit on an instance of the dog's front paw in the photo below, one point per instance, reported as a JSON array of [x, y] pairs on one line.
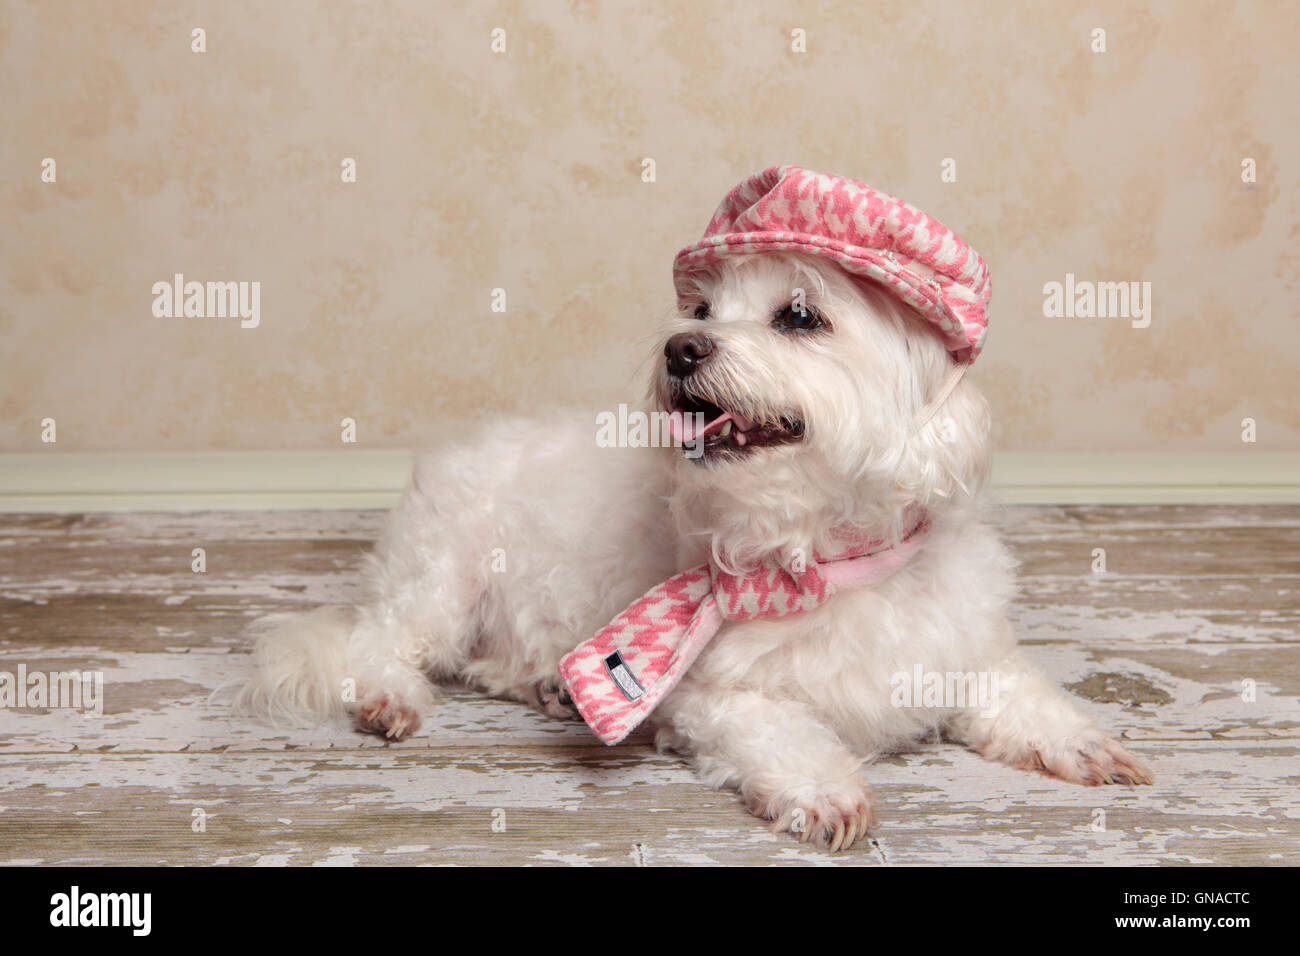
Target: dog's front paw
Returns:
[[551, 698], [832, 816], [1091, 759], [387, 715]]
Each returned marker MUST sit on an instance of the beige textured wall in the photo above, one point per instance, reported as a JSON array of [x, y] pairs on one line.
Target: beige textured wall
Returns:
[[522, 171]]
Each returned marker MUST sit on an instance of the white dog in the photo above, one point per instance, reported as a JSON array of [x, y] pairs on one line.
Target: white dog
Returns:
[[834, 393]]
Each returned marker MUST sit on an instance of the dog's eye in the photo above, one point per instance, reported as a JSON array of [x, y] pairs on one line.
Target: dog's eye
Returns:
[[702, 311], [795, 318]]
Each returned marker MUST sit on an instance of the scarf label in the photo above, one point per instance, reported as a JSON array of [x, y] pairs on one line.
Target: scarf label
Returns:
[[623, 677]]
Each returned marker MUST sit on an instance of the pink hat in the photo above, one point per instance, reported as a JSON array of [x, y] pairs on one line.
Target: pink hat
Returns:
[[865, 231]]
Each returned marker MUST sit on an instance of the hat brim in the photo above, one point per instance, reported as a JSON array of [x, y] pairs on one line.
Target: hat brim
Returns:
[[914, 283]]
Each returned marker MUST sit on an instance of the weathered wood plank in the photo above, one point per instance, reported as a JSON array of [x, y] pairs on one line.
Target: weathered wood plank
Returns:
[[125, 580], [1218, 804], [1195, 600]]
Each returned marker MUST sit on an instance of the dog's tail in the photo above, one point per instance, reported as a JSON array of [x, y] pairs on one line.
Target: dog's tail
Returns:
[[300, 664]]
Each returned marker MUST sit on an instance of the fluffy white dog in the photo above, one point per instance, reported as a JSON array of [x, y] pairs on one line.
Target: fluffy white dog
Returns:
[[814, 376], [784, 711]]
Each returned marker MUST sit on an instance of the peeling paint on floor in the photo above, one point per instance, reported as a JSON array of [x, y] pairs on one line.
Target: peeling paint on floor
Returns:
[[1186, 647]]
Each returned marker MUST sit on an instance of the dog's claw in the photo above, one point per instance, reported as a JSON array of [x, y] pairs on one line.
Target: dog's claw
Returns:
[[388, 717], [1094, 760], [552, 699], [834, 819]]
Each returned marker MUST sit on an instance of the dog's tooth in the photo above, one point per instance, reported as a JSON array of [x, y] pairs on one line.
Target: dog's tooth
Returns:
[[726, 429]]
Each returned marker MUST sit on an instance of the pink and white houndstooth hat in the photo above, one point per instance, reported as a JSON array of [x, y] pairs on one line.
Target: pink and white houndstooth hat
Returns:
[[867, 232]]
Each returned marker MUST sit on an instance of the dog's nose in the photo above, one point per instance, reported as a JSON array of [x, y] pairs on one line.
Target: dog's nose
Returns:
[[686, 351]]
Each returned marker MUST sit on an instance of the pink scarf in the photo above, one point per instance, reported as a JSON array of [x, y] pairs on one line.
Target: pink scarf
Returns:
[[618, 676]]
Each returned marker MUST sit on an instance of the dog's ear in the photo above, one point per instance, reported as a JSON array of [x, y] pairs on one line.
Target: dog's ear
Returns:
[[944, 457], [947, 457]]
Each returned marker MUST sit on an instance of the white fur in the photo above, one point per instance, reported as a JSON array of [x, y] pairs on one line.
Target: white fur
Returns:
[[784, 711]]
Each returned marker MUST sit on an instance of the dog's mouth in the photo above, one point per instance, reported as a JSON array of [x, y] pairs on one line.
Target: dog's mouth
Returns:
[[697, 423]]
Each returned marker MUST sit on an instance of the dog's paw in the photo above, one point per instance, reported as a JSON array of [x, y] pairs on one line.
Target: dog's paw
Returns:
[[831, 816], [1091, 759], [387, 715], [552, 699]]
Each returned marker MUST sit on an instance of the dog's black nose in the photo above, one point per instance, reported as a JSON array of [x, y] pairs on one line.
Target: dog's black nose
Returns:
[[687, 351]]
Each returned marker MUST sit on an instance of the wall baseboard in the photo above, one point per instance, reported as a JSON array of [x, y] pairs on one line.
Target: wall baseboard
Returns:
[[245, 481], [1140, 478], [202, 481]]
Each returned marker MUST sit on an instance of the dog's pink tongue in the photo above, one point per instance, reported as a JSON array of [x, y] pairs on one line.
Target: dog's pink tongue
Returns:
[[686, 427]]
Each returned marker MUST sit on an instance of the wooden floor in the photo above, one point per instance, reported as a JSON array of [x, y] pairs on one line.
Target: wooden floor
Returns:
[[1194, 601]]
